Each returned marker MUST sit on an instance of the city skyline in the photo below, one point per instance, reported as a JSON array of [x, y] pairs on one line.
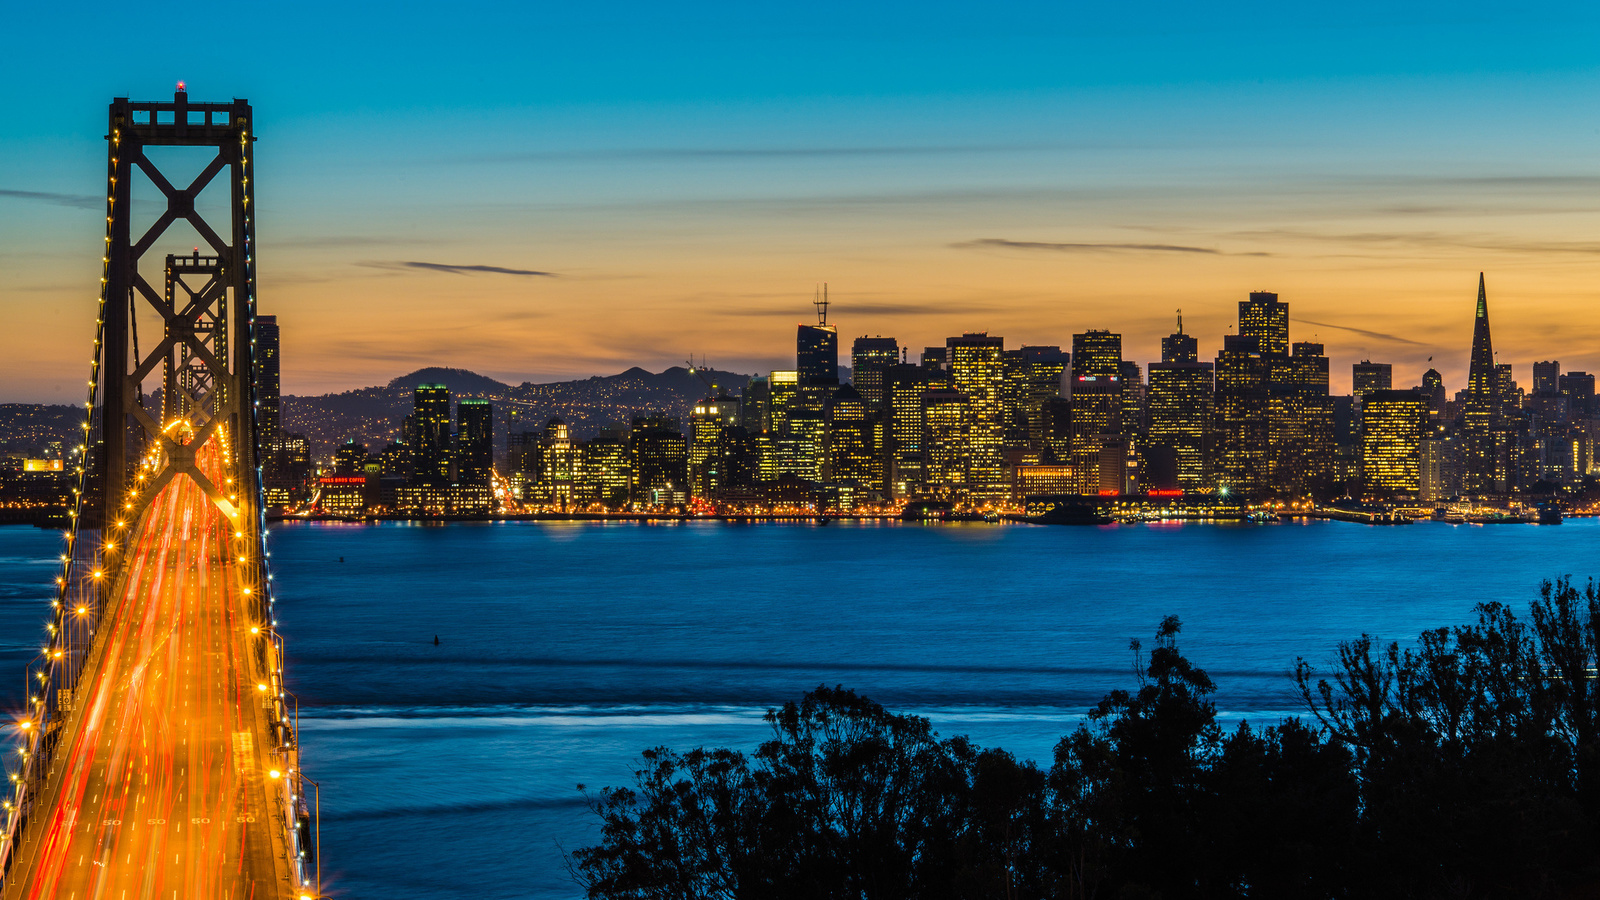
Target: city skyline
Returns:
[[637, 190]]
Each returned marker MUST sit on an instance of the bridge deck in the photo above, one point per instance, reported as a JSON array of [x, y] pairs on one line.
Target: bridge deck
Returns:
[[163, 784]]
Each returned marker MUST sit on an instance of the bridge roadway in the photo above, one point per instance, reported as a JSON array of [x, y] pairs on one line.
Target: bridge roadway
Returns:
[[163, 787]]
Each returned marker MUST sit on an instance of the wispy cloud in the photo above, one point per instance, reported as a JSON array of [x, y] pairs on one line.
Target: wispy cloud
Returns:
[[455, 269], [1378, 335], [76, 201], [843, 307], [1430, 240], [1091, 247], [686, 154]]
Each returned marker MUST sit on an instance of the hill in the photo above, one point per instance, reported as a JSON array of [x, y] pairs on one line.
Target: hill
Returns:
[[373, 415]]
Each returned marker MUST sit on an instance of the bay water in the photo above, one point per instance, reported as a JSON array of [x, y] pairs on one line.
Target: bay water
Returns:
[[564, 648]]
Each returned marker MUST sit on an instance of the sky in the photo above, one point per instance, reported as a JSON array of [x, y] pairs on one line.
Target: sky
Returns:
[[542, 191]]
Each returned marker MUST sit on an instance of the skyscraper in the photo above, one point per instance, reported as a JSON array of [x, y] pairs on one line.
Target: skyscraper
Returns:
[[852, 452], [1485, 459], [269, 421], [817, 349], [1266, 319], [869, 356], [977, 370], [474, 442], [1391, 443], [904, 386], [1179, 410], [1299, 422], [1241, 416], [1546, 377], [947, 417], [430, 435], [782, 389], [1096, 404], [1178, 347]]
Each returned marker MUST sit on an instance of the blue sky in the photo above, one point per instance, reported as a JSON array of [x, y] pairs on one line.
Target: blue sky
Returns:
[[689, 173]]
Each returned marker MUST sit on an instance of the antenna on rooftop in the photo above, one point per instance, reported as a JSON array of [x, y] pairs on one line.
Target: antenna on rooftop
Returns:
[[820, 300], [1180, 321]]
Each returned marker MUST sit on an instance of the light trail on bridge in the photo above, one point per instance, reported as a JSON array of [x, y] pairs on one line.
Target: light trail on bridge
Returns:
[[169, 781]]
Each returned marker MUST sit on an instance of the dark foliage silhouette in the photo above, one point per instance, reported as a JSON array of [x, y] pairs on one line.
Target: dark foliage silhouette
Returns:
[[1465, 765]]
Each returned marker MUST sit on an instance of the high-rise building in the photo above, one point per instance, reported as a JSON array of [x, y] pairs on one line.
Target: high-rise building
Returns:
[[1367, 376], [1579, 388], [660, 462], [559, 468], [934, 358], [1096, 401], [853, 454], [753, 406], [1486, 462], [1178, 347], [1432, 390], [608, 467], [1240, 406], [782, 390], [869, 357], [474, 442], [269, 420], [1046, 374], [1178, 404], [350, 459], [947, 418], [430, 435], [977, 369], [1265, 319], [1546, 377], [1393, 426], [1300, 444], [904, 386], [817, 348]]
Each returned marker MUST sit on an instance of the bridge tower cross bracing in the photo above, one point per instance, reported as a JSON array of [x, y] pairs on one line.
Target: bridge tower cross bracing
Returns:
[[131, 451]]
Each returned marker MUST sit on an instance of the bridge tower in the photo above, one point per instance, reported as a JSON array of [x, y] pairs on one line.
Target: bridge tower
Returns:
[[200, 361], [194, 350]]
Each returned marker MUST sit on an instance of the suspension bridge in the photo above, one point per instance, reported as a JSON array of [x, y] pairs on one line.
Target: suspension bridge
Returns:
[[158, 753]]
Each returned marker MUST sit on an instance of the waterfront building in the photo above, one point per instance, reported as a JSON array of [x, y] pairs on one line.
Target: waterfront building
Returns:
[[1096, 405], [977, 370], [1300, 444], [1393, 424], [904, 386], [660, 462], [607, 467], [350, 458], [706, 421], [269, 418], [869, 357], [559, 467], [1179, 400], [947, 421], [1240, 416], [429, 431], [342, 495], [474, 442]]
